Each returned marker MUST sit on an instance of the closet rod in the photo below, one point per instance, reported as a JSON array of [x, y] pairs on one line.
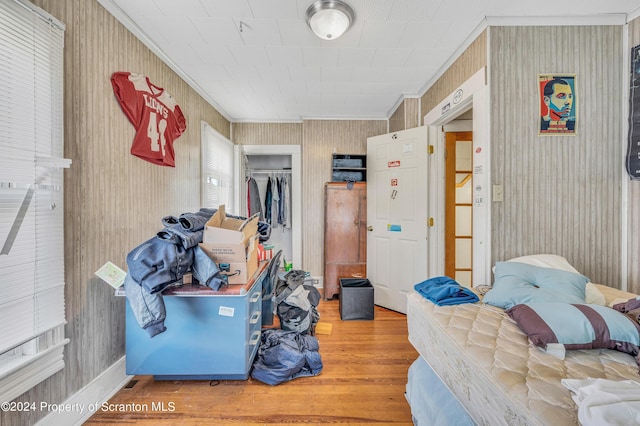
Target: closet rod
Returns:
[[268, 170]]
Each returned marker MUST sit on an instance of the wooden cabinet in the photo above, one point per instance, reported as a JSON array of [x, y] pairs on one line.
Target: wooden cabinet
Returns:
[[345, 234]]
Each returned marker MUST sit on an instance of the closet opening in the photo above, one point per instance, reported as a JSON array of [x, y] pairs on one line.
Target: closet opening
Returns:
[[269, 182]]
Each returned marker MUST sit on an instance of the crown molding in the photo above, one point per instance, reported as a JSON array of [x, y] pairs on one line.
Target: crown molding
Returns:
[[473, 35], [547, 21], [523, 21], [268, 121], [633, 15]]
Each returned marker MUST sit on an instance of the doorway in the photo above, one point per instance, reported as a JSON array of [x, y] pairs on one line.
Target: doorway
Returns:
[[459, 207], [470, 100], [275, 160]]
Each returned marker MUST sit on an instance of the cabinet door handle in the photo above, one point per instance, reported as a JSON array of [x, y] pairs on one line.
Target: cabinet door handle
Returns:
[[255, 338], [255, 317], [370, 228]]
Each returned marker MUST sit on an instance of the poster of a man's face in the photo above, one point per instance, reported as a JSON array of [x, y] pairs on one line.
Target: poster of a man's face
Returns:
[[557, 104]]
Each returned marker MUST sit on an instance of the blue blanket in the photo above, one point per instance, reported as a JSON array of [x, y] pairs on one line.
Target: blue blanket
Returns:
[[444, 291]]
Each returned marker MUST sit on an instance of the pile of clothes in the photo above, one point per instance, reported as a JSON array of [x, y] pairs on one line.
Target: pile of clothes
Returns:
[[291, 351], [603, 402], [445, 291], [286, 355], [631, 308], [162, 261]]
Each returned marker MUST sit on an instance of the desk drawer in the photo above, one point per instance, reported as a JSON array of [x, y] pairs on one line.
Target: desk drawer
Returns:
[[207, 337]]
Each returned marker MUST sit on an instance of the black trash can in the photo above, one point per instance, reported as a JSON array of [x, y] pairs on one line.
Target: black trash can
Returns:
[[356, 299]]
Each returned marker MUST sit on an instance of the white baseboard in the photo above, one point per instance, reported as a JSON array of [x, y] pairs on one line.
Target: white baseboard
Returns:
[[82, 404]]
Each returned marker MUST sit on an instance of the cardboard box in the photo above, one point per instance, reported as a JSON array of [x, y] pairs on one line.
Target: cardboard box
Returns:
[[242, 261], [232, 241], [221, 229], [246, 269]]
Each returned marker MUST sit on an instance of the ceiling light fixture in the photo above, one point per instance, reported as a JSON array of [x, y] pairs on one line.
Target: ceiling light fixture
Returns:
[[329, 19]]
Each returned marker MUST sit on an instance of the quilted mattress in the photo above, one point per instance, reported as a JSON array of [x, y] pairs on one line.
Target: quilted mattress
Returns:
[[489, 365]]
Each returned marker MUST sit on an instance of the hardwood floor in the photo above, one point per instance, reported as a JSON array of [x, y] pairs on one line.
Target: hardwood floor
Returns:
[[363, 381]]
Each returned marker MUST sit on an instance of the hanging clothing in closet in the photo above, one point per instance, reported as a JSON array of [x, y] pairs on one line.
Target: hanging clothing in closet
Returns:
[[276, 193], [268, 200], [275, 201], [284, 202], [254, 204], [287, 201]]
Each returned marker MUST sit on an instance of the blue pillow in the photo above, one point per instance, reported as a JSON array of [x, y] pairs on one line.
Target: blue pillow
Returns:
[[577, 326], [517, 283]]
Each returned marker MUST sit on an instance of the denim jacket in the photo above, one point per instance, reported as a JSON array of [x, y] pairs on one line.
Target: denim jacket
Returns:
[[149, 309], [163, 261], [159, 262], [195, 222]]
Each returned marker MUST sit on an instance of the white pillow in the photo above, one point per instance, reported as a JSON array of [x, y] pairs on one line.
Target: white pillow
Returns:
[[546, 261], [592, 294]]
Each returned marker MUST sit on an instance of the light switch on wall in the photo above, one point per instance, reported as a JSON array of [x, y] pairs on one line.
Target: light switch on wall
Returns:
[[498, 193]]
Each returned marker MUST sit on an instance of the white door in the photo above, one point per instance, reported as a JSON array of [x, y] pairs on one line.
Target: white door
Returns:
[[397, 215]]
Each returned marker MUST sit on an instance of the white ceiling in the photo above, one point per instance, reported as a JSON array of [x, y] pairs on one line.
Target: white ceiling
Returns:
[[275, 69]]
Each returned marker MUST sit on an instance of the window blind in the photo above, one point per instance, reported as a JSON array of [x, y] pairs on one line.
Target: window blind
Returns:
[[217, 169], [32, 314]]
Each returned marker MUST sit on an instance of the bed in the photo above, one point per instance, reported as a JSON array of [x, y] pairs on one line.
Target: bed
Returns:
[[477, 366]]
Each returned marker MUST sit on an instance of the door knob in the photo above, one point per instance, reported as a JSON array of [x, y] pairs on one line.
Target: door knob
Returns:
[[369, 228]]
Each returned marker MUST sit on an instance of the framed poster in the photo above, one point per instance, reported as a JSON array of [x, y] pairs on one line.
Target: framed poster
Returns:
[[633, 145], [557, 104]]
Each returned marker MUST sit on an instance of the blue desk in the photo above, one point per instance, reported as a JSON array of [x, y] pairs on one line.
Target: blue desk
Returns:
[[210, 334]]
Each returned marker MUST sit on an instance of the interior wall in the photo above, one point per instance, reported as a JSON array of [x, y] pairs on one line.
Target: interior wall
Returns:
[[321, 138], [113, 200], [266, 133], [633, 197], [562, 194], [406, 116], [396, 121], [466, 65]]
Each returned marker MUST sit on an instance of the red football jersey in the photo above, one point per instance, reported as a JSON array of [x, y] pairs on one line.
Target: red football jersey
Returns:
[[155, 115]]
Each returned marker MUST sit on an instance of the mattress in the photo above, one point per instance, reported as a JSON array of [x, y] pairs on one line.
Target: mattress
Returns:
[[486, 361], [432, 403]]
